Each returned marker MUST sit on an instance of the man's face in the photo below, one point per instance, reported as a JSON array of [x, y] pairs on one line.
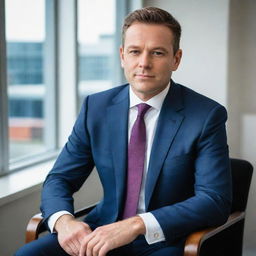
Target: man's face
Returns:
[[147, 58]]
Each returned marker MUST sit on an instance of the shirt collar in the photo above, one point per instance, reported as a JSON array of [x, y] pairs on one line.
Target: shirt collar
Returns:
[[155, 102]]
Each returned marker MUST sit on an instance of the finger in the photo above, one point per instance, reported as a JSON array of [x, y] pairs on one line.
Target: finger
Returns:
[[104, 250], [90, 246], [74, 244], [71, 247], [69, 250], [83, 245], [65, 245], [75, 248], [97, 248]]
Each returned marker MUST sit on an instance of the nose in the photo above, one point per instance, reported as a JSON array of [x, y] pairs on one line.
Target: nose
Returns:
[[145, 61]]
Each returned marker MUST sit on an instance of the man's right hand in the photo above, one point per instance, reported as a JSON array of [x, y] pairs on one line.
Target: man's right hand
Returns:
[[71, 233]]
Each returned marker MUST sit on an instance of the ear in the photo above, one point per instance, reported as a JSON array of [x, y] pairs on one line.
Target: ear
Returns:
[[121, 53], [176, 60]]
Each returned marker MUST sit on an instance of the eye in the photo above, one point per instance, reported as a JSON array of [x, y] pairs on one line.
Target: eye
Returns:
[[158, 53], [134, 52]]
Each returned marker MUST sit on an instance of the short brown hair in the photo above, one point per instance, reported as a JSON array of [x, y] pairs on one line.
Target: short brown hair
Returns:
[[154, 15]]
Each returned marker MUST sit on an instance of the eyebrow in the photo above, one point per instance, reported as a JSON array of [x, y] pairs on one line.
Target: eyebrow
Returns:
[[153, 49], [160, 48], [132, 47]]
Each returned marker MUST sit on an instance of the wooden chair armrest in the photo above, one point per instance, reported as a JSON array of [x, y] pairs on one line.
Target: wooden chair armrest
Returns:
[[35, 225], [195, 240]]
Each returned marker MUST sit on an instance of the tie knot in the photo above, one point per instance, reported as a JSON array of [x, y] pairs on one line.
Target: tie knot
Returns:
[[142, 109]]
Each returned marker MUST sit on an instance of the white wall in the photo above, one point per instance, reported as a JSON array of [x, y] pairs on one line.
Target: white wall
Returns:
[[219, 46], [204, 43], [242, 106]]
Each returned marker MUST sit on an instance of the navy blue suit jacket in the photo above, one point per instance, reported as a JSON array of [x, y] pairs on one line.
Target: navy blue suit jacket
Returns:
[[188, 185]]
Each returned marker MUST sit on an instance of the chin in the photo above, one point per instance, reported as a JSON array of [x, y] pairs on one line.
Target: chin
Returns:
[[143, 89], [145, 85]]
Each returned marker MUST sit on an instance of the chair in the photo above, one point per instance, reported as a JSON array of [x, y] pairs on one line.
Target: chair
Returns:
[[219, 241]]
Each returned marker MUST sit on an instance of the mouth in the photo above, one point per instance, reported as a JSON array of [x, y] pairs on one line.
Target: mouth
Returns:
[[144, 76]]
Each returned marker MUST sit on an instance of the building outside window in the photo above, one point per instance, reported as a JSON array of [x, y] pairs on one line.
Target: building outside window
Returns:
[[31, 80], [27, 91], [96, 41]]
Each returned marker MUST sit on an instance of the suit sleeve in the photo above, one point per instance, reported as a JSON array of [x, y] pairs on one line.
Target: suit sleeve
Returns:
[[210, 205], [70, 170]]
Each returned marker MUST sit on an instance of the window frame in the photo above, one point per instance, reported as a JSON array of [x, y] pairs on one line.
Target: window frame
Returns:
[[4, 142], [8, 165]]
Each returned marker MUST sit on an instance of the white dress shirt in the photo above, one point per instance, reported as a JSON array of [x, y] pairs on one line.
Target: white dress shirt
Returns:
[[154, 232]]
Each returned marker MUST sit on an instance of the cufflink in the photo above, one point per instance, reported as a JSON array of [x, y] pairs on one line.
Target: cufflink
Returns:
[[156, 235]]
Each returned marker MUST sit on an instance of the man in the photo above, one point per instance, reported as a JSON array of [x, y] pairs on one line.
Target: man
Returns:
[[160, 150]]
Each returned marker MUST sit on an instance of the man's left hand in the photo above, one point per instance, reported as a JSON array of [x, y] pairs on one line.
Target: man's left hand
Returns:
[[108, 237]]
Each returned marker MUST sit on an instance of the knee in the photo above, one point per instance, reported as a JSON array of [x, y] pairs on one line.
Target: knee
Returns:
[[25, 250], [20, 252], [45, 245]]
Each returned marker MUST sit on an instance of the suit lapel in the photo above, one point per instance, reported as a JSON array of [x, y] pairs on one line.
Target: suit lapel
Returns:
[[168, 124], [118, 132]]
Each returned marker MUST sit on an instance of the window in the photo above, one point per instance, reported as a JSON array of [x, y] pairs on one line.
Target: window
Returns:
[[29, 85], [97, 46], [36, 83]]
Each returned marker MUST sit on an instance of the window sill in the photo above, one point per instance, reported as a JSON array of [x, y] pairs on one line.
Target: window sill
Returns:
[[24, 182]]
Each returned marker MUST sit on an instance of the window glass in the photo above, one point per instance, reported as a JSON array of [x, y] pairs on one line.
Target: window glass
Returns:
[[96, 39], [25, 34]]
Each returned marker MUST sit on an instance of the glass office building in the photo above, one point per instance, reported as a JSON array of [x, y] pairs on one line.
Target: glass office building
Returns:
[[26, 85]]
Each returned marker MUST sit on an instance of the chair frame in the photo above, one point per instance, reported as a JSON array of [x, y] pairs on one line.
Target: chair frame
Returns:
[[194, 242]]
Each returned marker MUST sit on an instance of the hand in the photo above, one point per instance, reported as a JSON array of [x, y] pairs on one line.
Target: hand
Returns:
[[108, 237], [71, 233]]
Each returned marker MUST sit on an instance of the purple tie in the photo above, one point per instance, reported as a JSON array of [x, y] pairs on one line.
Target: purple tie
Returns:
[[136, 158]]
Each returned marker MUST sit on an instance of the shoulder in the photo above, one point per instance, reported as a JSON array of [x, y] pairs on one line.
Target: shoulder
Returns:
[[109, 94], [193, 96], [195, 100], [98, 103], [196, 106]]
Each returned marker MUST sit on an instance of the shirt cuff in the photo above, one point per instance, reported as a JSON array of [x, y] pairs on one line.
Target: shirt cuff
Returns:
[[53, 218], [154, 232]]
